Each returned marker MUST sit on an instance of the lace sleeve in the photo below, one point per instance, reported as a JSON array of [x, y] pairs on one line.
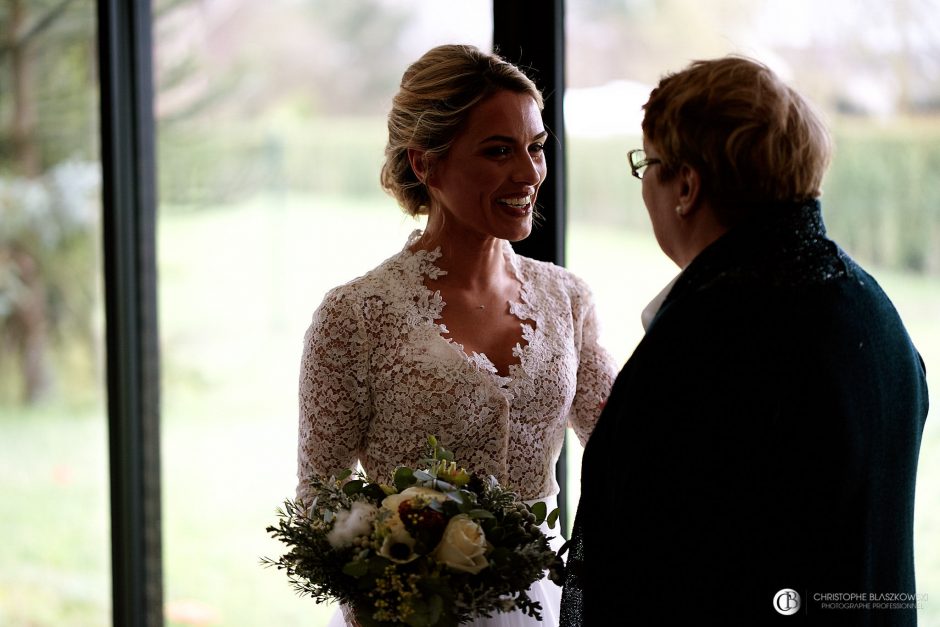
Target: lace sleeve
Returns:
[[334, 390], [596, 370]]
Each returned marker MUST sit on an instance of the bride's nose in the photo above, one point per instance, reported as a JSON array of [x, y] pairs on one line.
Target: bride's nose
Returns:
[[528, 169]]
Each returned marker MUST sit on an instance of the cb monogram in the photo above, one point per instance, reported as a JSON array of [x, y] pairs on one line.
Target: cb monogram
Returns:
[[787, 602]]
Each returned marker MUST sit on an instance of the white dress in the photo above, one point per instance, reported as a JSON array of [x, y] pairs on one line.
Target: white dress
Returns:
[[377, 377]]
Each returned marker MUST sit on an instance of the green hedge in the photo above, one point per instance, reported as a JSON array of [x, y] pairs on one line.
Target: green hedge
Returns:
[[881, 195], [203, 166]]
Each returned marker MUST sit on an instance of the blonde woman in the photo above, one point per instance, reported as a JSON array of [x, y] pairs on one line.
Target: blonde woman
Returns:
[[456, 335]]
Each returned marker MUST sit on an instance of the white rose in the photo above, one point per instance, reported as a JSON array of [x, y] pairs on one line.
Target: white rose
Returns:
[[351, 524], [393, 501], [463, 546]]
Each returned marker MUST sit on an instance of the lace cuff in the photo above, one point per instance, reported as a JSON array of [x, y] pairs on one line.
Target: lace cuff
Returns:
[[596, 373]]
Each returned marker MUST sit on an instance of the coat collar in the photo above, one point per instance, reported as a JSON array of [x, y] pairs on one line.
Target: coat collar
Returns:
[[783, 244]]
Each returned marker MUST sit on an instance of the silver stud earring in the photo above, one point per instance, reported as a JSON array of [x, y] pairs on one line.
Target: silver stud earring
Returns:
[[680, 211]]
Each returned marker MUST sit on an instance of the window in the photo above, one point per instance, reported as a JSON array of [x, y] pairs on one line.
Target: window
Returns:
[[54, 566], [269, 158]]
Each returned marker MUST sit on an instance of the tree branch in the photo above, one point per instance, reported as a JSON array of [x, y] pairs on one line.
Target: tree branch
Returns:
[[41, 25]]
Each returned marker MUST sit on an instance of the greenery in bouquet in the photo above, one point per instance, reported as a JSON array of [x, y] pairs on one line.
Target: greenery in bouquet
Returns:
[[437, 546]]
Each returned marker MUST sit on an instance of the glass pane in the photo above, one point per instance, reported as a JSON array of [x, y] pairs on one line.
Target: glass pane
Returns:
[[870, 66], [269, 157], [55, 557]]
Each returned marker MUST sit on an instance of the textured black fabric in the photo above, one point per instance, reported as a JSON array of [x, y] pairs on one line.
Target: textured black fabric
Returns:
[[764, 435]]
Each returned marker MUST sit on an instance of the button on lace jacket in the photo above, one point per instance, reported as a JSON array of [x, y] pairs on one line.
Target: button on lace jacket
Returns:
[[377, 377]]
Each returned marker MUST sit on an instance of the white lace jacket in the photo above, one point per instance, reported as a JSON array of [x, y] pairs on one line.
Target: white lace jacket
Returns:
[[377, 377]]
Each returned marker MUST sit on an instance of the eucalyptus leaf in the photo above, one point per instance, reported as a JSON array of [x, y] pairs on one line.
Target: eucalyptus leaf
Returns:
[[356, 568], [353, 487], [421, 475], [553, 518], [451, 509], [458, 497], [343, 474], [480, 513], [539, 510], [443, 486]]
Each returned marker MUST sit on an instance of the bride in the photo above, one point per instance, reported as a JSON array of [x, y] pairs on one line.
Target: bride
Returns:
[[456, 335]]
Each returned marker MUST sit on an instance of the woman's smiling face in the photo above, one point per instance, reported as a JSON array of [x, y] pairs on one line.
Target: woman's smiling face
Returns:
[[488, 181]]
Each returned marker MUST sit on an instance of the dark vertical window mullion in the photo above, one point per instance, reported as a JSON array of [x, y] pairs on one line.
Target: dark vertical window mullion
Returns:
[[531, 33], [129, 241]]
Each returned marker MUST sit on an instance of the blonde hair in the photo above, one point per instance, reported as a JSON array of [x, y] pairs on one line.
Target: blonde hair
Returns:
[[437, 93], [753, 139]]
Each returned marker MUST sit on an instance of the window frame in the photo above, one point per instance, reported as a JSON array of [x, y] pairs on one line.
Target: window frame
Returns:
[[128, 165]]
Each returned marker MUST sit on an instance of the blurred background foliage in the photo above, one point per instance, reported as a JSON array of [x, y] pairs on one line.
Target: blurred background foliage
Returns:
[[48, 190], [241, 112]]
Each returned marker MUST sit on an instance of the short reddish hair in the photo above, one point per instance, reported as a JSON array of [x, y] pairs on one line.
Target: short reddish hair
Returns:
[[753, 139]]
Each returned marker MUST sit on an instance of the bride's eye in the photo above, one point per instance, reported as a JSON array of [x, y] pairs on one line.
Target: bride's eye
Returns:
[[498, 151]]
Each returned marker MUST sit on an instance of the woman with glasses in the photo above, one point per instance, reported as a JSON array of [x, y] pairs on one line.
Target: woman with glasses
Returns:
[[757, 456], [456, 335]]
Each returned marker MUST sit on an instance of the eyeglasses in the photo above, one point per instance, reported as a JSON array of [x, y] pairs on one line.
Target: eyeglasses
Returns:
[[638, 162]]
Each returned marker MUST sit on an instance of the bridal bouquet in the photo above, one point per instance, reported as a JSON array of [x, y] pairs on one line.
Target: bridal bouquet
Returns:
[[438, 546]]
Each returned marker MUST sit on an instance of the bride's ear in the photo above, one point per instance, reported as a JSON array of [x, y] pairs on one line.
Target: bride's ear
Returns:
[[419, 164]]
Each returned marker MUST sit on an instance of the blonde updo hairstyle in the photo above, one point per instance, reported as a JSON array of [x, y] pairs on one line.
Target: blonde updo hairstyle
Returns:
[[752, 139], [437, 93]]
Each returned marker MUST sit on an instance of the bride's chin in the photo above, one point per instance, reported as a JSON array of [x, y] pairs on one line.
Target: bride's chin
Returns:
[[521, 233]]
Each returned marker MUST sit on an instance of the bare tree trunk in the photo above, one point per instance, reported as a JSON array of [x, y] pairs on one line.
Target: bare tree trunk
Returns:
[[25, 117], [29, 321], [31, 330]]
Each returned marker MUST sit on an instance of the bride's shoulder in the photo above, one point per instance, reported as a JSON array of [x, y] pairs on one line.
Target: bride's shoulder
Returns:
[[374, 282], [393, 286], [546, 275]]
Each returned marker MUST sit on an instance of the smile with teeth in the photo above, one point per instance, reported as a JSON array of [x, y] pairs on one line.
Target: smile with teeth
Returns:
[[516, 203]]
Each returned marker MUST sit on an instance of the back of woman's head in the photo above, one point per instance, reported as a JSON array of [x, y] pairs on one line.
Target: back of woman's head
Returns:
[[753, 139], [436, 96]]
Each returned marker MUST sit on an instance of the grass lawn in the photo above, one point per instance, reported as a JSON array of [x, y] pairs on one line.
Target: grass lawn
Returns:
[[238, 286]]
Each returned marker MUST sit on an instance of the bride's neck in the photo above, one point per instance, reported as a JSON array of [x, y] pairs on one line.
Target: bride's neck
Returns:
[[472, 261]]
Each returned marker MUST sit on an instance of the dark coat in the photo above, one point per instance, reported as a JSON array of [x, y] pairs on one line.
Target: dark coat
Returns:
[[763, 436]]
